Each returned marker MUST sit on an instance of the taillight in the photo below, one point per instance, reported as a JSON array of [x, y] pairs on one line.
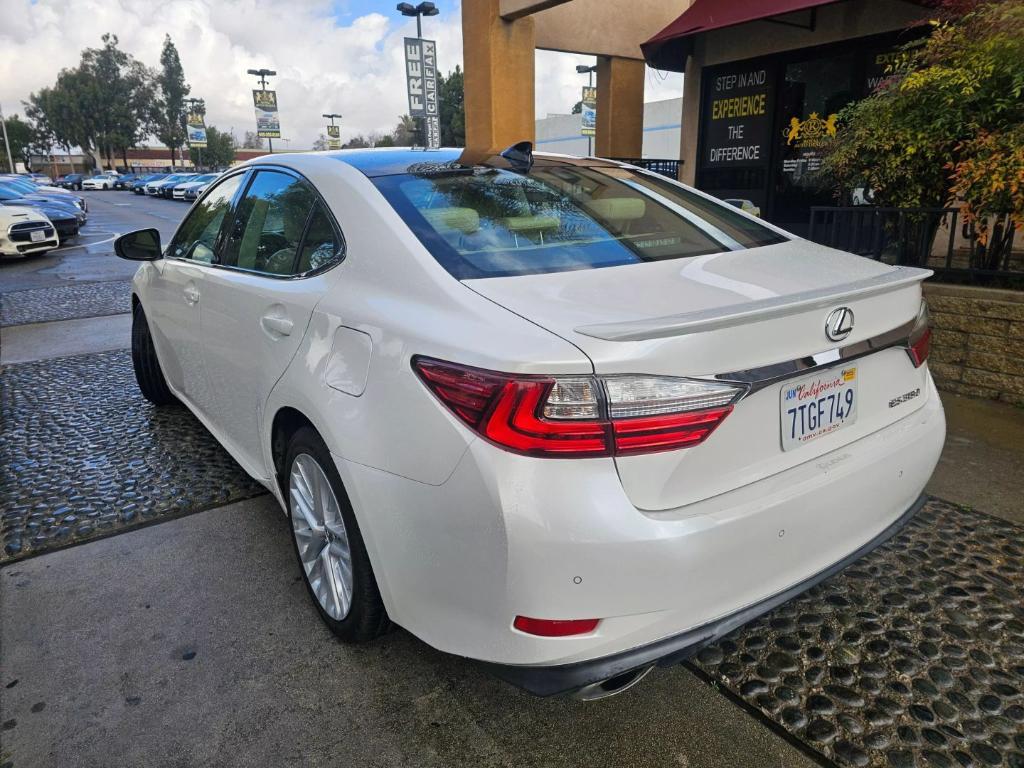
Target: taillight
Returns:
[[580, 416], [920, 341], [555, 627]]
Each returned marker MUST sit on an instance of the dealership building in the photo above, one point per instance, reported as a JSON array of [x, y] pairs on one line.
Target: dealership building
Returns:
[[764, 80]]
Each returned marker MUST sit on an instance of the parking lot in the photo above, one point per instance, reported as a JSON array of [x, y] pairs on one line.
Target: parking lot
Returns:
[[187, 639]]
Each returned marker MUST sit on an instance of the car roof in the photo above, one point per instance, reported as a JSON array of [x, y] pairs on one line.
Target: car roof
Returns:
[[391, 161]]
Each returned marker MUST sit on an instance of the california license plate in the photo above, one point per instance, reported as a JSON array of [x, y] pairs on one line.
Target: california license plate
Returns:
[[817, 406], [38, 236]]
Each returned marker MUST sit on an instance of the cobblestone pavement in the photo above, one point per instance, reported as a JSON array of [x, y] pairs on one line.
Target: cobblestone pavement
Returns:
[[82, 455], [913, 656], [66, 302]]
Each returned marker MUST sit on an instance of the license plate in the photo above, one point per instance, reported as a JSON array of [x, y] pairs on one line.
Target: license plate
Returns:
[[817, 406], [37, 235]]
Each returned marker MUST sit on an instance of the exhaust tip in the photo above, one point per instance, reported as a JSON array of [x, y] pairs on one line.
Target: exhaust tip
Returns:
[[612, 686]]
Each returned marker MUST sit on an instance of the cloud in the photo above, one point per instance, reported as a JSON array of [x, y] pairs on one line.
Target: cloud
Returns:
[[330, 56]]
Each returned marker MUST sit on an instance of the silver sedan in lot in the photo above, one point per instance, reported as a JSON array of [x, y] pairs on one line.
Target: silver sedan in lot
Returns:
[[560, 415]]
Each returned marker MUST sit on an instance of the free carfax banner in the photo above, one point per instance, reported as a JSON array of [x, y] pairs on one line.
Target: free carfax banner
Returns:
[[421, 82], [268, 126], [196, 130]]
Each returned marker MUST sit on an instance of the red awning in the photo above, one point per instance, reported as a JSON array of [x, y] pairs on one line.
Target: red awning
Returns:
[[669, 48]]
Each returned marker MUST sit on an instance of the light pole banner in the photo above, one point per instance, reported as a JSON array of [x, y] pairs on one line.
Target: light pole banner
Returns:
[[334, 137], [268, 126], [588, 125], [196, 130], [421, 82]]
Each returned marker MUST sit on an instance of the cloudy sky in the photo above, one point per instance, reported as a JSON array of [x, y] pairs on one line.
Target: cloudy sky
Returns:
[[330, 55]]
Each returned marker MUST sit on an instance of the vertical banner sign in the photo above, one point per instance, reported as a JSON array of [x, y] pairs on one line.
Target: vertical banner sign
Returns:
[[421, 82], [588, 125], [196, 130], [268, 126], [334, 137]]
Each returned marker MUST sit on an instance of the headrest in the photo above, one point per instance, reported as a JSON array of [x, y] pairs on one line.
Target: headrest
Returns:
[[464, 220], [530, 223], [618, 208]]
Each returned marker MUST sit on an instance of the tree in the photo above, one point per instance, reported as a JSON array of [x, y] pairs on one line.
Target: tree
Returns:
[[945, 127], [19, 133], [169, 109], [102, 105], [356, 142], [452, 109], [320, 144], [406, 132], [252, 140], [387, 140], [219, 151]]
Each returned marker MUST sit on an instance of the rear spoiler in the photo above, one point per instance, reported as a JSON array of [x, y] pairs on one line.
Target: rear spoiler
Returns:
[[762, 309]]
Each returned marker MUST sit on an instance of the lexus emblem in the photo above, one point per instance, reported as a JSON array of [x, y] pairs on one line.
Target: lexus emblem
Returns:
[[839, 323]]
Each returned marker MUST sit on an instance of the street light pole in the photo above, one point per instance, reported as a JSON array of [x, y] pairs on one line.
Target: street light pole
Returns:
[[581, 69], [423, 9], [262, 74], [7, 142]]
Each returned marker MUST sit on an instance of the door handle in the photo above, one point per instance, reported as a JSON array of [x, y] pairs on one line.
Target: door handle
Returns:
[[191, 294], [276, 326]]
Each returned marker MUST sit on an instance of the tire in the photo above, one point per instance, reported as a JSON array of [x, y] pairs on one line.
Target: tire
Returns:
[[148, 374], [364, 618]]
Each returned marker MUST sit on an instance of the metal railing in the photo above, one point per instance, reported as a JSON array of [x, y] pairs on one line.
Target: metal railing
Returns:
[[663, 166], [936, 238]]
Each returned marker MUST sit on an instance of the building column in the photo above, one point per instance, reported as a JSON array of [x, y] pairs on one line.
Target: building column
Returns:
[[620, 107], [498, 59], [690, 118]]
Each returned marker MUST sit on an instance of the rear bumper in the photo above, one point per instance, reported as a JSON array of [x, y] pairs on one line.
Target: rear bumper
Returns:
[[550, 681], [507, 535]]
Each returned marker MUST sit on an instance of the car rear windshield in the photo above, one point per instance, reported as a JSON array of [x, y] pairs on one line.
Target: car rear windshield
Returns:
[[486, 222]]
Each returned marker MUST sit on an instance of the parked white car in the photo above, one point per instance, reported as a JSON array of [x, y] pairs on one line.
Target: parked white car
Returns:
[[190, 189], [105, 181], [25, 231], [560, 415]]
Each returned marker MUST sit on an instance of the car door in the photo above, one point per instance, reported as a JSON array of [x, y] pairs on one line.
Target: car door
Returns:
[[257, 305], [173, 298]]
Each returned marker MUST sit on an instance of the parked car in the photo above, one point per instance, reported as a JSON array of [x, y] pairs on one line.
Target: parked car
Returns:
[[25, 231], [139, 185], [181, 190], [193, 192], [71, 181], [66, 221], [40, 178], [104, 181], [18, 189], [125, 180], [167, 186], [560, 415], [23, 185], [153, 188]]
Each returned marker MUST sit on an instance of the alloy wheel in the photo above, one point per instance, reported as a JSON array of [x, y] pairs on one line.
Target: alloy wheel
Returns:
[[320, 536]]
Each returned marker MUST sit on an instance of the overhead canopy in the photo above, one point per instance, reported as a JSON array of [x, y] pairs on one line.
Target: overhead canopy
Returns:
[[669, 48]]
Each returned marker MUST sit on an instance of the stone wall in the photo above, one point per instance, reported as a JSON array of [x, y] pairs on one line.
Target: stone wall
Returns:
[[977, 341]]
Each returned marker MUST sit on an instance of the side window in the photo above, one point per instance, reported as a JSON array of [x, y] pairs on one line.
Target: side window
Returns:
[[196, 239], [321, 245], [269, 224]]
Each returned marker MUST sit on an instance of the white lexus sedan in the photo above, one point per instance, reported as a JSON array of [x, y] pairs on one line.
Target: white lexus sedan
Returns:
[[562, 416]]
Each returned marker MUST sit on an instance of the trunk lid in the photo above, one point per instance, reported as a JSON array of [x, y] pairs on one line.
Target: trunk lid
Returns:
[[724, 313]]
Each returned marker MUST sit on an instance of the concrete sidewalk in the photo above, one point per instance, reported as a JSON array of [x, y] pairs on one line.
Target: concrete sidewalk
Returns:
[[193, 643]]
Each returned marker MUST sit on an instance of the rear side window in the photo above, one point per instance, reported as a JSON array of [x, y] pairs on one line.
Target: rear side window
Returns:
[[321, 246], [485, 222], [268, 227]]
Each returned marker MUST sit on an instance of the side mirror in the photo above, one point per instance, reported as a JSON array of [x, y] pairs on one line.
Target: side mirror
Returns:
[[141, 245]]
